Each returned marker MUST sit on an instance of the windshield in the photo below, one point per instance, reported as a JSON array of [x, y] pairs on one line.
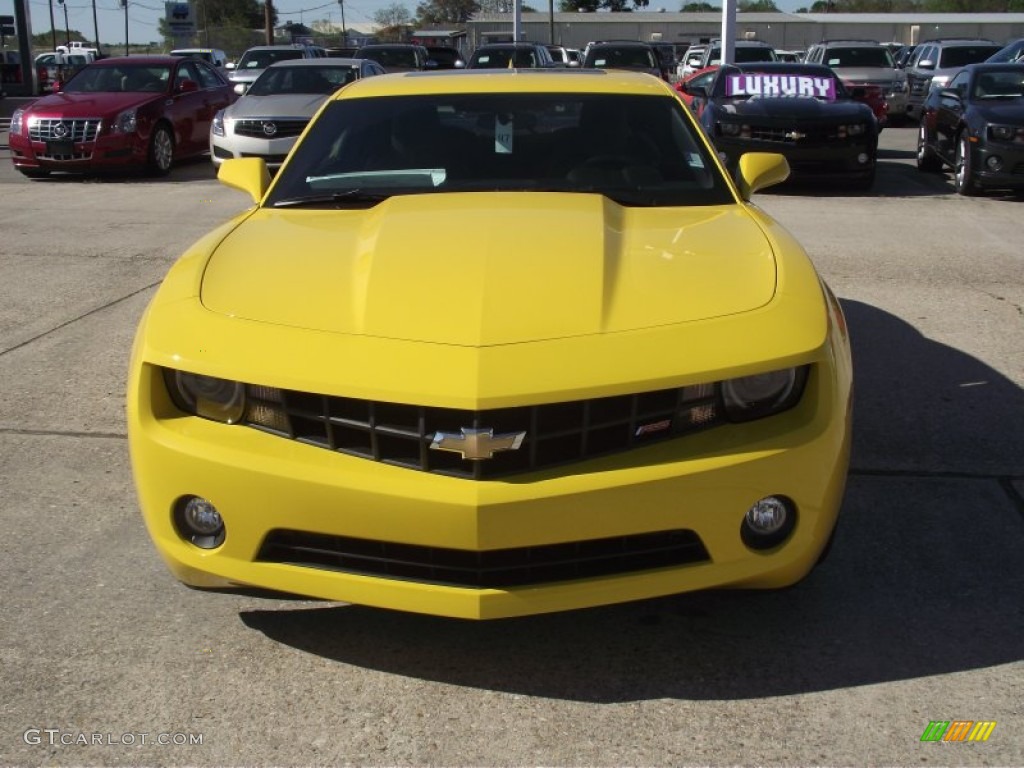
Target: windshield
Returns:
[[859, 57], [501, 58], [304, 79], [608, 57], [1007, 85], [263, 58], [392, 57], [962, 55], [637, 150], [122, 78]]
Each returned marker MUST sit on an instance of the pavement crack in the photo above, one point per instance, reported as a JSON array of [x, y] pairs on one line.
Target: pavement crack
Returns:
[[82, 316], [63, 433]]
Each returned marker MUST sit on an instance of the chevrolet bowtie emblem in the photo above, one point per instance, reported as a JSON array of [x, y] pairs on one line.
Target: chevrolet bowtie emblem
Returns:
[[477, 444]]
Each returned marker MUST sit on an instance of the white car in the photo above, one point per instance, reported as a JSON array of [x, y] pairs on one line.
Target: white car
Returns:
[[274, 111]]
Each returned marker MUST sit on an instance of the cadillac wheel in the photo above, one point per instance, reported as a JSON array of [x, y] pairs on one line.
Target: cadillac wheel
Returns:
[[161, 151]]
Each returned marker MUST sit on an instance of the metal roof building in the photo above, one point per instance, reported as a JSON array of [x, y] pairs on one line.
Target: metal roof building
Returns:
[[781, 30]]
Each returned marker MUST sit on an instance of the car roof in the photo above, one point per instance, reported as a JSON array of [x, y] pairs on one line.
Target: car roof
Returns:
[[477, 81], [318, 62], [783, 67], [120, 60]]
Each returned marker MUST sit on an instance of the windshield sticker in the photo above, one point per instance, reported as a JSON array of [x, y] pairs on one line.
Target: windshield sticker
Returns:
[[503, 132], [775, 86]]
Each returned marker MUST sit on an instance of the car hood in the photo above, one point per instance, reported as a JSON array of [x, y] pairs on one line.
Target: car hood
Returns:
[[279, 105], [873, 75], [792, 107], [90, 104], [1010, 112], [487, 269]]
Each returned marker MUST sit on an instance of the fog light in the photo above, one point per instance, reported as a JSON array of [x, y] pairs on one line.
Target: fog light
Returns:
[[199, 522], [862, 158], [994, 163], [768, 522]]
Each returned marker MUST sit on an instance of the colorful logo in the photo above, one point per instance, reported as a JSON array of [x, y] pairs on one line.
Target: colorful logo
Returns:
[[958, 730]]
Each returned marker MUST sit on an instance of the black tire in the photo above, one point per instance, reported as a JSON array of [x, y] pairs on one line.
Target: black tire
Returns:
[[963, 170], [927, 160], [34, 173], [161, 151]]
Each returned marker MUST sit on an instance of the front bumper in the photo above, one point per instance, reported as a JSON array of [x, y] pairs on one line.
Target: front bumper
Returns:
[[106, 151], [1009, 174], [852, 160], [702, 483], [273, 151]]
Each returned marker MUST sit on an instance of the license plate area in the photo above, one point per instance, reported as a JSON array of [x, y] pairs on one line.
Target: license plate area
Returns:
[[60, 147]]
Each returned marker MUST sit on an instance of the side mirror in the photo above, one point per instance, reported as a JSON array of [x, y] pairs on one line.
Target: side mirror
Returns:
[[926, 64], [695, 90], [460, 64], [229, 65], [950, 93], [758, 170], [248, 174], [430, 64], [187, 86], [241, 88]]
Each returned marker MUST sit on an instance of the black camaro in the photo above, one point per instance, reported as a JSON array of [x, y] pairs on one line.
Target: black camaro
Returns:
[[802, 111], [975, 125]]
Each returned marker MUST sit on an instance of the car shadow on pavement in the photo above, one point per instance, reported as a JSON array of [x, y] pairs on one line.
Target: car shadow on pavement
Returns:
[[924, 578]]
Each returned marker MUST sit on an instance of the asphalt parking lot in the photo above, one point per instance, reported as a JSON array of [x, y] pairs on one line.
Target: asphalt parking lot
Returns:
[[917, 616]]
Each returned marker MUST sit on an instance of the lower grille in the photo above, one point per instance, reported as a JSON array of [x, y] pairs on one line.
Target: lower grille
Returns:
[[491, 569], [61, 129]]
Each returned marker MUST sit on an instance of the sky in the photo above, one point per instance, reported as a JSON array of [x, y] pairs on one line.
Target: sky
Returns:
[[143, 15]]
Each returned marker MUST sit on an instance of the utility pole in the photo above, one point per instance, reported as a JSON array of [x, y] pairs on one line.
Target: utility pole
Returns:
[[96, 28], [124, 4], [268, 21], [344, 34], [67, 28], [53, 27]]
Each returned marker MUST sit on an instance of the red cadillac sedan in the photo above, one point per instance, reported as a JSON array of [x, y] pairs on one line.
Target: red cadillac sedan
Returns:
[[129, 112]]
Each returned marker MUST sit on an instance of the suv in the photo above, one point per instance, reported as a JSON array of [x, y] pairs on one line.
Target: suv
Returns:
[[259, 57], [624, 54], [864, 63], [511, 55], [396, 57], [935, 61], [745, 52], [567, 57]]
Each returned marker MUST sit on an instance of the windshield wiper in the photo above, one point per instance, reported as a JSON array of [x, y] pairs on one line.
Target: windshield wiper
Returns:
[[338, 199]]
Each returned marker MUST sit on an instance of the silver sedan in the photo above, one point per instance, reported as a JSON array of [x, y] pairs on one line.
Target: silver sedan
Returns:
[[274, 111]]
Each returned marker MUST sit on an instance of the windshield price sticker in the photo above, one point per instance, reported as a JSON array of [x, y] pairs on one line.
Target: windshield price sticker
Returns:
[[775, 86], [503, 134]]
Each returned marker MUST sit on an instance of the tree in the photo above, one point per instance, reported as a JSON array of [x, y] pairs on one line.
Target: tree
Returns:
[[756, 6], [391, 16], [699, 8], [590, 6], [432, 12]]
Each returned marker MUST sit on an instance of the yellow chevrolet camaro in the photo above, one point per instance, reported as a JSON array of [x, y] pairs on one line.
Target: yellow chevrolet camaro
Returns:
[[494, 344]]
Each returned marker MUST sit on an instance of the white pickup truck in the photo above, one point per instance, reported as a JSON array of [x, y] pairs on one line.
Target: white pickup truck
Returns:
[[57, 66]]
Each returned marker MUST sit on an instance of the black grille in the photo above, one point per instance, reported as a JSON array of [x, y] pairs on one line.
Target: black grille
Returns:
[[498, 568], [555, 434], [283, 129]]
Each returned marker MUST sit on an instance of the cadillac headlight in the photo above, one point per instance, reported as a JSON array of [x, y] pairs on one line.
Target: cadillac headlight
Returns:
[[217, 126], [16, 120], [126, 121]]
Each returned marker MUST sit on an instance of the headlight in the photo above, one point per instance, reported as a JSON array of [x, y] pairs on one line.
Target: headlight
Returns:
[[760, 395], [206, 396], [734, 129], [126, 121], [217, 126], [1000, 132], [16, 120], [853, 129]]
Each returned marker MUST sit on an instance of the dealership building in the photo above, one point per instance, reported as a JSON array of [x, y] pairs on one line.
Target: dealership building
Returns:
[[789, 31]]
